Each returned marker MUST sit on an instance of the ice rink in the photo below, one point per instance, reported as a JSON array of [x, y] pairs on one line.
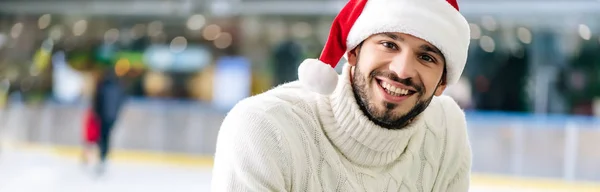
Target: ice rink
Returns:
[[39, 170], [36, 169]]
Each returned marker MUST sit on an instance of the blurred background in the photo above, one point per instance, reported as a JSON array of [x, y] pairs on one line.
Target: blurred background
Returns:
[[531, 87]]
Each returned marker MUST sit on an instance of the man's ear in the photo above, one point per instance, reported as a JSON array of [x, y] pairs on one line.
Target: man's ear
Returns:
[[353, 55], [440, 89], [442, 85]]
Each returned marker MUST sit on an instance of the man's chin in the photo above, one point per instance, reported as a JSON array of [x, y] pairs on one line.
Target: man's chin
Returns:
[[392, 116], [395, 123], [387, 115], [396, 115], [396, 107]]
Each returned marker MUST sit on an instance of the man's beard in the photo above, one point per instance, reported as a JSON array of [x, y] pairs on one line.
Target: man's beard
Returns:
[[386, 119]]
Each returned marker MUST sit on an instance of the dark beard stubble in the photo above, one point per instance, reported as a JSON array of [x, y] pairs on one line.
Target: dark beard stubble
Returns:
[[386, 119]]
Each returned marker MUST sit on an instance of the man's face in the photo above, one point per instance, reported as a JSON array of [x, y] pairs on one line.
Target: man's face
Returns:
[[395, 76]]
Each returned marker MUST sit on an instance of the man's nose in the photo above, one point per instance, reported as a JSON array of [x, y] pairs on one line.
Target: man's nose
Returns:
[[404, 65]]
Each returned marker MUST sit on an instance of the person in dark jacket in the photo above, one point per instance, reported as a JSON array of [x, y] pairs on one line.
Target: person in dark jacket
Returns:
[[108, 101]]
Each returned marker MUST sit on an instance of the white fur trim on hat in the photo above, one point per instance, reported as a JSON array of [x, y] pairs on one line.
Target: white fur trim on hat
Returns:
[[317, 76], [434, 21]]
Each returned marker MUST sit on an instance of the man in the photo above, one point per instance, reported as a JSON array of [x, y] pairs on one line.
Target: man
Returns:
[[107, 104], [382, 125]]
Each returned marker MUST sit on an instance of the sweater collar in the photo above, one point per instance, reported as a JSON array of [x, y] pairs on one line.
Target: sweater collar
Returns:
[[356, 137]]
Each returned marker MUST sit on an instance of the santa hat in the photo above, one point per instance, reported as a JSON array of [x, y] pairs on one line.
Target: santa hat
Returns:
[[438, 22]]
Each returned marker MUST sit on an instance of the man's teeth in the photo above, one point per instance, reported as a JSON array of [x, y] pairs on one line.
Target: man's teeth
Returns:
[[394, 90]]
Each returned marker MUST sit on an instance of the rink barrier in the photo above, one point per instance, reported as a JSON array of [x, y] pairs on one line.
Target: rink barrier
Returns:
[[516, 144]]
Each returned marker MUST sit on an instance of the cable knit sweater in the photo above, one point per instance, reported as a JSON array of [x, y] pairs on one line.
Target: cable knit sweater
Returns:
[[289, 139]]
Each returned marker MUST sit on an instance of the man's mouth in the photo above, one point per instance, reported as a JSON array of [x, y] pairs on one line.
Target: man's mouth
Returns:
[[395, 91]]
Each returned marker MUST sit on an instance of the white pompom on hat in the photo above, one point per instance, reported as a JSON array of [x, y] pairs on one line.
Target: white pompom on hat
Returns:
[[438, 22]]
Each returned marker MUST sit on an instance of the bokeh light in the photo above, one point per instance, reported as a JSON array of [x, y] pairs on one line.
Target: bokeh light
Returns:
[[475, 31], [211, 32], [223, 41], [524, 35], [178, 44], [44, 21], [585, 32], [196, 22], [80, 27], [487, 44], [16, 30]]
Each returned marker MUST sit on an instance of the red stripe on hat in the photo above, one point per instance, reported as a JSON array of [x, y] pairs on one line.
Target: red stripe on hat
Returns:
[[335, 47], [454, 4]]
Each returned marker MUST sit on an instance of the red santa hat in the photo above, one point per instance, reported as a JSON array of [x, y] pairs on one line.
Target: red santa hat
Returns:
[[438, 22]]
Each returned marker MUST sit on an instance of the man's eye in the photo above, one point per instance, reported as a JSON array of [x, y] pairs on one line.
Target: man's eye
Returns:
[[427, 58], [390, 45]]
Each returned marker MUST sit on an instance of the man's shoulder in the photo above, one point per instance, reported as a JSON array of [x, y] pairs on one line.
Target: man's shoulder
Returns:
[[445, 115], [450, 107], [279, 112], [283, 97], [281, 106]]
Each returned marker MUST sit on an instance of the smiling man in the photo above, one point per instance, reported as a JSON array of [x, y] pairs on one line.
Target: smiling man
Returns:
[[382, 125]]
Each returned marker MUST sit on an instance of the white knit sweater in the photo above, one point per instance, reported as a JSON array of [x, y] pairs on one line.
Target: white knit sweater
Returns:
[[289, 139]]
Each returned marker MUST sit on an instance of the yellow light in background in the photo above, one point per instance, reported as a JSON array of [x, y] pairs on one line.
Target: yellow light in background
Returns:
[[223, 41], [56, 33], [585, 32], [301, 30], [201, 84], [211, 32], [44, 21], [122, 67], [4, 87], [524, 35], [475, 31], [3, 98], [16, 30], [111, 36], [40, 62], [487, 44], [155, 82], [155, 28], [42, 58], [136, 65], [178, 44], [79, 27], [489, 23], [196, 22]]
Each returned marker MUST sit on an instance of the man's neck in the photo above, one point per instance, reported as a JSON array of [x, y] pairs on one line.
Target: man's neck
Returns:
[[355, 135]]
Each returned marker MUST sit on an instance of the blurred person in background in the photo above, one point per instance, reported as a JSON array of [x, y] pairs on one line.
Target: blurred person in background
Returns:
[[382, 125], [285, 56], [108, 101], [91, 134]]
